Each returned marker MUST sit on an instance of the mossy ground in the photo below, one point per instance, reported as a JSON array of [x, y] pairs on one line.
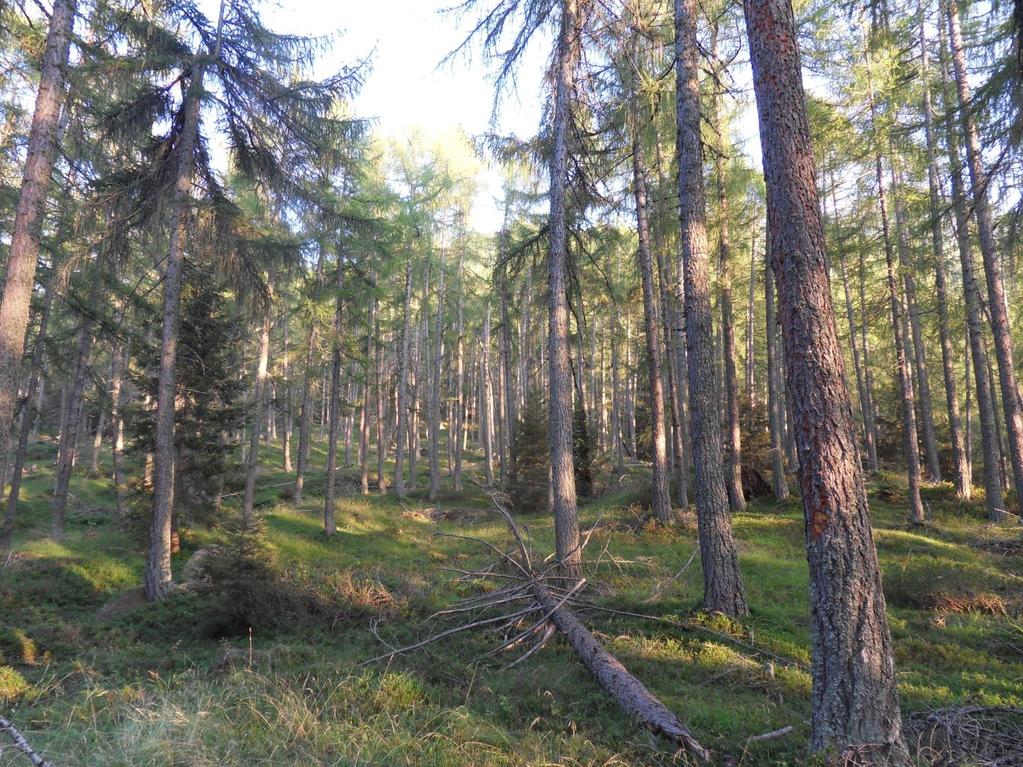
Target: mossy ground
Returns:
[[144, 686]]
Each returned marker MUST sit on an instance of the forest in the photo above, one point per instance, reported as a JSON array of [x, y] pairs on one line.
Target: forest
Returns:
[[709, 451]]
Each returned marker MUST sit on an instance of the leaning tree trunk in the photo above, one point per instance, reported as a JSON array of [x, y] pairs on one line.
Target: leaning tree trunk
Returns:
[[566, 524], [157, 576], [723, 589], [258, 415], [661, 496], [994, 499], [1012, 405], [24, 247], [960, 462], [855, 695]]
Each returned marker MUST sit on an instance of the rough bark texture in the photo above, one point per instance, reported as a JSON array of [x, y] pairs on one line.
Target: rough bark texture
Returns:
[[723, 590], [334, 415], [1012, 405], [24, 248], [855, 696], [566, 524]]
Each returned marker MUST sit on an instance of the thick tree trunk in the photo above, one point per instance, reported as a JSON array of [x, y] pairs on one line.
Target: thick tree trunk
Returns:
[[651, 313], [723, 590], [994, 499], [566, 524], [24, 247], [855, 696], [259, 391], [997, 310]]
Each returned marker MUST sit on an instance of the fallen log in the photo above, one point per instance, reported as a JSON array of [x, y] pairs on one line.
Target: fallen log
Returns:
[[629, 693], [21, 744], [545, 599]]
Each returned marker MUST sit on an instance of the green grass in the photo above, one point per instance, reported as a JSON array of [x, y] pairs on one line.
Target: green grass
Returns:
[[146, 687]]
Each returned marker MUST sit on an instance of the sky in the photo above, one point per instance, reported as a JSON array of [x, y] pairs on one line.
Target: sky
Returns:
[[408, 89]]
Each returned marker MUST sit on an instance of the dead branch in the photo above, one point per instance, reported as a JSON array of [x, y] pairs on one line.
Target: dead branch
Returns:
[[23, 745]]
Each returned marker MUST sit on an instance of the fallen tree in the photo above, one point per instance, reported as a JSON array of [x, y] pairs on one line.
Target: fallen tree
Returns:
[[542, 601], [21, 744]]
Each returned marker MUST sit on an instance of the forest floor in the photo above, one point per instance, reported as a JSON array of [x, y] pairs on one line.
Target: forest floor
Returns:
[[94, 677]]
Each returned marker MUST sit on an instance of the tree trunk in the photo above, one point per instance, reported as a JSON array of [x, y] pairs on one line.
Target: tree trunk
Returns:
[[855, 696], [898, 309], [118, 365], [157, 578], [486, 404], [435, 387], [994, 499], [651, 313], [960, 463], [364, 415], [923, 386], [378, 367], [259, 390], [334, 412], [289, 417], [458, 423], [509, 397], [24, 247], [723, 590], [733, 430], [566, 524], [1011, 403], [403, 373], [774, 408], [30, 415], [751, 387]]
